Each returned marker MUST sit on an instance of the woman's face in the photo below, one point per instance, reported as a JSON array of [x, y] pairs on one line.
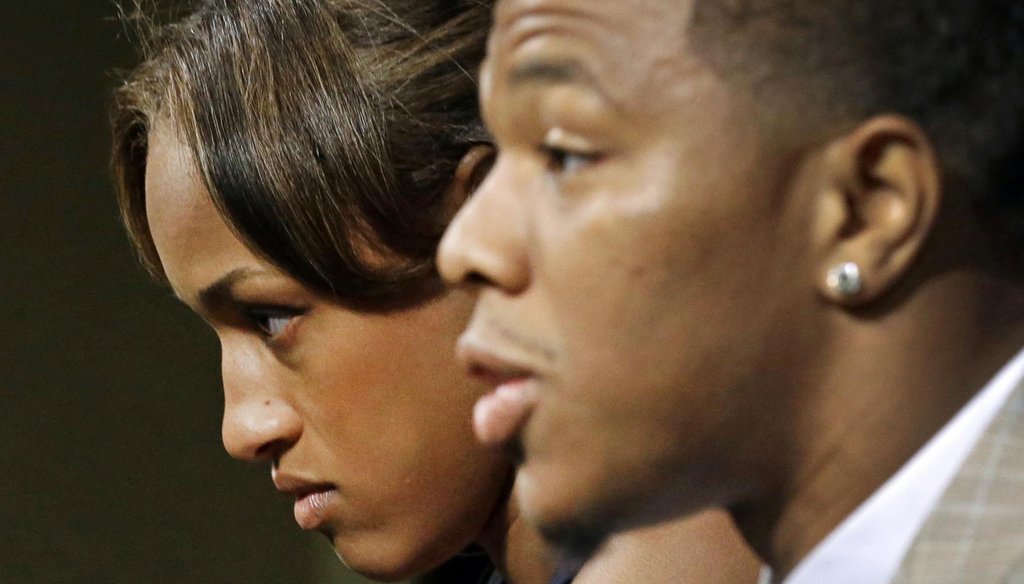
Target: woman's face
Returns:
[[365, 418]]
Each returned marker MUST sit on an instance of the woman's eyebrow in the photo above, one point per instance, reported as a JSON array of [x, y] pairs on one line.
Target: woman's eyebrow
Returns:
[[221, 292]]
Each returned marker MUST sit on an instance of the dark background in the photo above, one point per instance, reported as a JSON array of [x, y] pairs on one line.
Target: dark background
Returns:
[[111, 468]]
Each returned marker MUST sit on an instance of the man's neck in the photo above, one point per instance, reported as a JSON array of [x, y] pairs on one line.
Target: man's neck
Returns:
[[703, 548], [516, 549], [889, 383]]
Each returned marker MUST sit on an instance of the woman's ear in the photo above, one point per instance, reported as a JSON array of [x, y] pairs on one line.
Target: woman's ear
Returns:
[[471, 171], [876, 208]]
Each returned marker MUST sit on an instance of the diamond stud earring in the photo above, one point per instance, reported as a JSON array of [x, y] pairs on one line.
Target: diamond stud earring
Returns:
[[845, 280]]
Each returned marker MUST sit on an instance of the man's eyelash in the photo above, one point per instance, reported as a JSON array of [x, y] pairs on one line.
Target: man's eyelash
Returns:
[[566, 152], [563, 160]]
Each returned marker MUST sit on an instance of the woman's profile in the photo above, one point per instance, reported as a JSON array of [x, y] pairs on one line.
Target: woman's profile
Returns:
[[288, 167]]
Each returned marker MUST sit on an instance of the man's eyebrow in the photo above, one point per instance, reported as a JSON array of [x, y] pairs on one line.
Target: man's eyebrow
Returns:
[[220, 292], [551, 72], [558, 72]]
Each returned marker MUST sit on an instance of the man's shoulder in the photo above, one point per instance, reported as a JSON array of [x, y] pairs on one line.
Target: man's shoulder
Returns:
[[976, 529]]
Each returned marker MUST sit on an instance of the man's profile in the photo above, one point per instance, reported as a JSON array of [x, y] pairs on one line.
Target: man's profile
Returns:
[[759, 255]]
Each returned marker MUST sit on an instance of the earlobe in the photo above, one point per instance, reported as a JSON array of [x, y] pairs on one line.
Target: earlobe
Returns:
[[882, 194]]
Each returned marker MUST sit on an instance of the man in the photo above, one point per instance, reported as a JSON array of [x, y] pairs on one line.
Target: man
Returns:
[[759, 255]]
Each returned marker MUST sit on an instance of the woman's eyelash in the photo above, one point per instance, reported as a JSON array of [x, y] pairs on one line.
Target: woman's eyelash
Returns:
[[270, 321]]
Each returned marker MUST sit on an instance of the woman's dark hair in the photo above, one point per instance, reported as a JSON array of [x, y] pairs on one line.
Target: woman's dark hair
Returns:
[[326, 131]]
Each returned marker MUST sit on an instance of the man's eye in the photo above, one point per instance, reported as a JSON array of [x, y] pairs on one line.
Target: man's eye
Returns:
[[565, 161], [567, 153]]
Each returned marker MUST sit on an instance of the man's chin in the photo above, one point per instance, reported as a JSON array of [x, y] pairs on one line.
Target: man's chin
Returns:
[[562, 526], [555, 502], [575, 542]]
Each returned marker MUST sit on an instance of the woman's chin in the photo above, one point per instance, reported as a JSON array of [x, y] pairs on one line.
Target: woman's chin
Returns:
[[391, 565]]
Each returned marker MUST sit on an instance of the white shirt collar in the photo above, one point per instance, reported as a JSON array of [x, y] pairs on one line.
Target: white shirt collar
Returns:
[[869, 545]]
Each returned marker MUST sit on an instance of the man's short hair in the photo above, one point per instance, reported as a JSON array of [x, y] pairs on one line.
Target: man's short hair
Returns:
[[956, 67]]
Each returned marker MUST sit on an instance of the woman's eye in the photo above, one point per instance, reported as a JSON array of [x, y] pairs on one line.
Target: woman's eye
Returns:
[[271, 322]]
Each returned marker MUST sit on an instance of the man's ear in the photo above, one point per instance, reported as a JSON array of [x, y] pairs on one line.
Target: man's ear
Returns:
[[471, 171], [875, 208]]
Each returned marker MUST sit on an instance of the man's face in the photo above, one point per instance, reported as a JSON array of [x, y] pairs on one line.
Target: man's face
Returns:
[[641, 267]]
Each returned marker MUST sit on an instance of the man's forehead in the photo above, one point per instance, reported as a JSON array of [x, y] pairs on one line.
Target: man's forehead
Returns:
[[510, 10], [624, 17], [620, 47]]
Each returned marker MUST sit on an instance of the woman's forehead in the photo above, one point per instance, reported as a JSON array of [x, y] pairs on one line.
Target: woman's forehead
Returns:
[[193, 241]]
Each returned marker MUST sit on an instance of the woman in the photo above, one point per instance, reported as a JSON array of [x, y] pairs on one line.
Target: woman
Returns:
[[288, 168]]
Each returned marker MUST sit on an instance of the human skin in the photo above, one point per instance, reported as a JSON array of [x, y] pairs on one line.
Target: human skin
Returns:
[[703, 549], [345, 402], [373, 411], [651, 251]]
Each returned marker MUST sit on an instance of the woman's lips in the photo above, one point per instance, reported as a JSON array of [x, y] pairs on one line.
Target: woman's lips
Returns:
[[311, 507], [312, 498]]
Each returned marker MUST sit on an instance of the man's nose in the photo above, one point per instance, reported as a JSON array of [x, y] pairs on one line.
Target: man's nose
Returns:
[[259, 424], [486, 242]]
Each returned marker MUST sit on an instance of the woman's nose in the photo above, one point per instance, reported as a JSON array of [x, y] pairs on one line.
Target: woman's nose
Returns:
[[259, 422], [257, 429]]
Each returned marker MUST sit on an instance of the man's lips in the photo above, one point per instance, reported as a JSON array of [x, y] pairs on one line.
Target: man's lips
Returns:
[[499, 416], [311, 498]]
